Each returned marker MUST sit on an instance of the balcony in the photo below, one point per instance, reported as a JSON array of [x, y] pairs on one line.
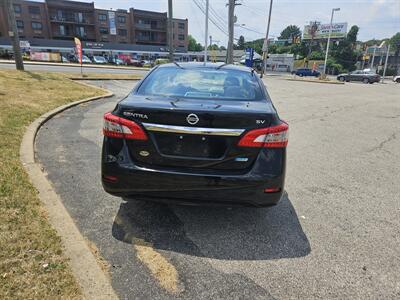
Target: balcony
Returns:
[[71, 20], [150, 27]]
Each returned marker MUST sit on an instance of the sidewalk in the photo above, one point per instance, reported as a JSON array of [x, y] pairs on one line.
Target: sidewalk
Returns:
[[11, 62]]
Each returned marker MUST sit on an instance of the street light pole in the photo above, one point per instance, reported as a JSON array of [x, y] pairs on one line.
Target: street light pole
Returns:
[[206, 34], [386, 62], [373, 59], [329, 39]]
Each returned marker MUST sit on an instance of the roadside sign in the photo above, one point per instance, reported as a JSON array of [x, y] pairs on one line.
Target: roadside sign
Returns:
[[339, 30], [78, 46], [24, 44], [112, 22]]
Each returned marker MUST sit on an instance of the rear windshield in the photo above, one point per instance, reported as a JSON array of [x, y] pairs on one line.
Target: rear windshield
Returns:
[[202, 84]]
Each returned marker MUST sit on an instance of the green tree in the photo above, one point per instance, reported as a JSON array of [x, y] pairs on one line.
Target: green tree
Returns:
[[395, 43], [343, 53], [222, 48], [213, 47], [241, 43], [290, 32], [193, 44]]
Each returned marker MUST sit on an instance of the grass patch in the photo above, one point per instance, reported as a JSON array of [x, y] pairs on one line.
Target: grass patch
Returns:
[[32, 264]]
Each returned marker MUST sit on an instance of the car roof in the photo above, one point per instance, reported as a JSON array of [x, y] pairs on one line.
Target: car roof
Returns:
[[201, 65]]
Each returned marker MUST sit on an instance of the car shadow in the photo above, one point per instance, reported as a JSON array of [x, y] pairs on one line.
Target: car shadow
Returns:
[[238, 233]]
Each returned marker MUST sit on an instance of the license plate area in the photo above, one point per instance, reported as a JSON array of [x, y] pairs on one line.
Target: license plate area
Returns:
[[190, 145]]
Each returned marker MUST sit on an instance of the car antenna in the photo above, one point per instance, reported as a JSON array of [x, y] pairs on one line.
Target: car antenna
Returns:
[[178, 65]]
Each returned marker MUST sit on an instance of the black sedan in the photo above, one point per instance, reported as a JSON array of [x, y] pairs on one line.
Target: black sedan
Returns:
[[196, 134], [360, 75]]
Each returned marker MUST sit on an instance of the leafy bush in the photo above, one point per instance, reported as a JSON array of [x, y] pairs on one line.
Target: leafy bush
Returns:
[[389, 72]]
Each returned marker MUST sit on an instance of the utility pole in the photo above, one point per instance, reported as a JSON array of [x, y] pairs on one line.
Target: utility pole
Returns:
[[170, 32], [329, 39], [13, 33], [265, 46], [231, 25], [206, 34]]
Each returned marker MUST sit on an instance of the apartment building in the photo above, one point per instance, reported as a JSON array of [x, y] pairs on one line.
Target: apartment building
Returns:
[[180, 33], [65, 19], [31, 20]]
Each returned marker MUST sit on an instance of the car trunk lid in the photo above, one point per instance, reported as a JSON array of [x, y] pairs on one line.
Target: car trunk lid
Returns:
[[195, 134]]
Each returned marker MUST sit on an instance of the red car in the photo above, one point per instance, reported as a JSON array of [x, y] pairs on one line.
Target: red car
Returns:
[[129, 61]]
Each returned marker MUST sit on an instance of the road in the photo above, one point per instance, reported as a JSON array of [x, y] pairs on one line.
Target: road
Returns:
[[335, 234], [71, 69]]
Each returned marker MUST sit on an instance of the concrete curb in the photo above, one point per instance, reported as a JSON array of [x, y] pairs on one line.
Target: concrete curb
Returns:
[[94, 282], [315, 81], [11, 62]]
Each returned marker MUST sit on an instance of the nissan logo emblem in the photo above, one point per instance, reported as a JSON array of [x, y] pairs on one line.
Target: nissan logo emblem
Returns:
[[192, 119]]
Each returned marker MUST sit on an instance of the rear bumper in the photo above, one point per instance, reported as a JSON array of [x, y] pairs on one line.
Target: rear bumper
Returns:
[[128, 180]]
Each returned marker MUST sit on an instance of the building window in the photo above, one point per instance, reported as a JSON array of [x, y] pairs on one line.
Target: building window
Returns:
[[122, 19], [181, 25], [17, 8], [37, 26], [80, 31], [20, 24], [122, 32], [181, 37], [102, 17], [34, 10], [62, 30], [103, 30]]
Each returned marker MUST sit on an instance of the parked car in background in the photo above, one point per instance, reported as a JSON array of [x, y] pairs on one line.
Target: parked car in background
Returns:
[[85, 60], [119, 62], [134, 62], [364, 76], [147, 64], [161, 61], [129, 61], [64, 59], [99, 60], [306, 72], [396, 78]]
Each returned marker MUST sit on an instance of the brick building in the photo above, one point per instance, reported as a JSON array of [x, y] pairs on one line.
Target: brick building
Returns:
[[64, 20]]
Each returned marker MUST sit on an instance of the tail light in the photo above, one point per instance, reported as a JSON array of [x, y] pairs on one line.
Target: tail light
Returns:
[[271, 137], [116, 127]]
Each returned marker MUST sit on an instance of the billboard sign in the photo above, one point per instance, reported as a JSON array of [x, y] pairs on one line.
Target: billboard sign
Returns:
[[112, 22], [339, 30]]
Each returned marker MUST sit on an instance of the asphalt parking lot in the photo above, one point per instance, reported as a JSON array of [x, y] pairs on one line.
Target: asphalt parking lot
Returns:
[[335, 234]]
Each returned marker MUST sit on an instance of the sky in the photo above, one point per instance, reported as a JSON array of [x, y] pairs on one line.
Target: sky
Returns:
[[376, 18]]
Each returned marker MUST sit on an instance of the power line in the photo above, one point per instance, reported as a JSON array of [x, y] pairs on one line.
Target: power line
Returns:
[[249, 29], [211, 19]]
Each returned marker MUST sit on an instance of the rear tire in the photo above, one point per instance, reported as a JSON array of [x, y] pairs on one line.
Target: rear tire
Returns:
[[301, 75], [341, 78], [365, 80]]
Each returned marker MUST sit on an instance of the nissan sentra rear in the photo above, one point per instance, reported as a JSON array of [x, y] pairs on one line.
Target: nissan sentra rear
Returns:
[[196, 134]]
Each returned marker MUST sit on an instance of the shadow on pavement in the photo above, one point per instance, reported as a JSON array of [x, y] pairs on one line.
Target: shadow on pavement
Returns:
[[238, 233]]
